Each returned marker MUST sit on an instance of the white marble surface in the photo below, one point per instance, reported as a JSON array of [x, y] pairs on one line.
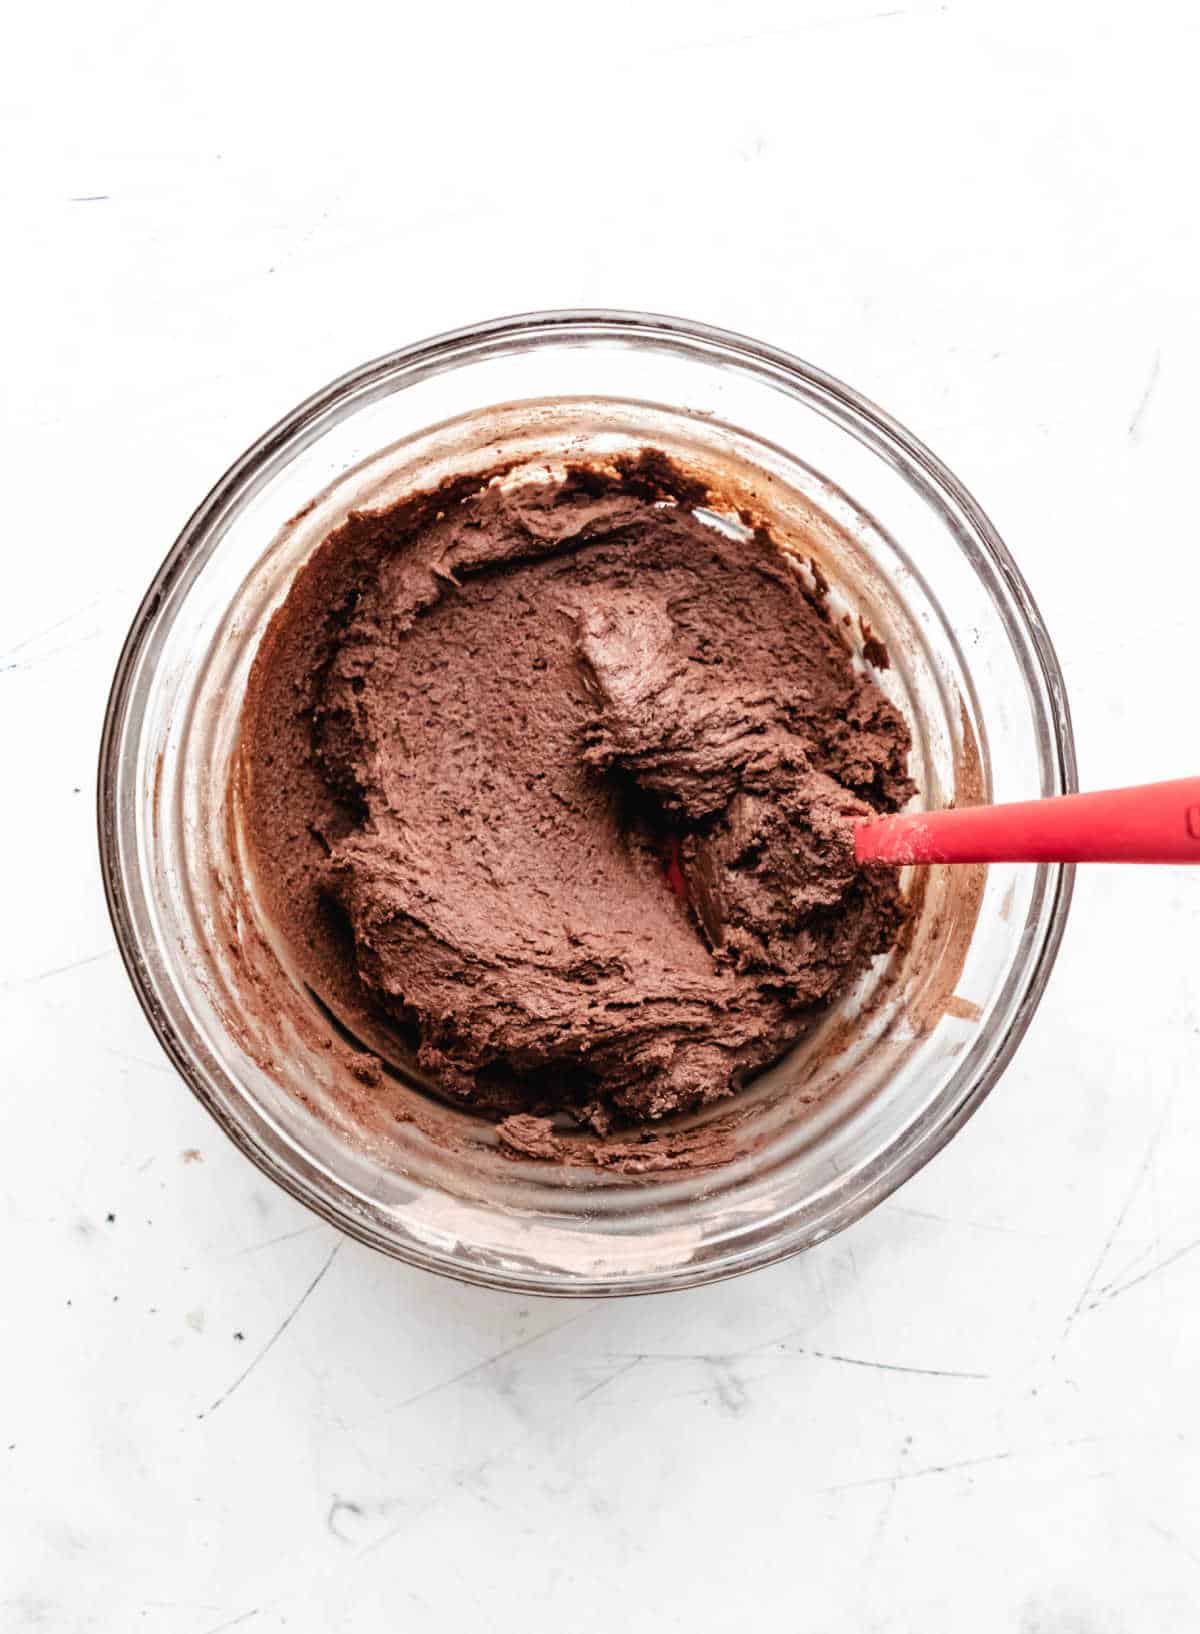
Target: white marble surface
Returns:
[[977, 1409]]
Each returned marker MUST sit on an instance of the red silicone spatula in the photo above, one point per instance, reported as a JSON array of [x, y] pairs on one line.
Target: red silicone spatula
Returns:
[[1159, 822]]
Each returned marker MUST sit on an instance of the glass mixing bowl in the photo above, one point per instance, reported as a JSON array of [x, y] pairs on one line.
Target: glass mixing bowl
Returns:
[[896, 1065]]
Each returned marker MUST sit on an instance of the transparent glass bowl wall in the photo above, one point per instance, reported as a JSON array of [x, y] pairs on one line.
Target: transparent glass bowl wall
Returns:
[[893, 1071]]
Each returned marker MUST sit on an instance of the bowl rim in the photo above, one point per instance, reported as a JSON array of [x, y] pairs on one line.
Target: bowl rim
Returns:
[[435, 354]]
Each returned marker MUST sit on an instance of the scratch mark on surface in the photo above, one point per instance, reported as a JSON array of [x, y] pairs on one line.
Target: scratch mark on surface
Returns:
[[284, 1237], [1139, 413], [966, 1225], [889, 1503], [953, 1468], [1175, 1541], [488, 1361], [782, 1346], [885, 1367], [1138, 1260], [595, 1389], [89, 198], [58, 970], [49, 629], [279, 1331], [8, 665], [140, 1061], [915, 1474], [244, 1618], [1115, 1290], [1138, 1179]]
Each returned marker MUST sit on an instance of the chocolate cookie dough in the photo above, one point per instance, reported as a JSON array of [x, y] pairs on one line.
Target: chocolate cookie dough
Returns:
[[553, 779]]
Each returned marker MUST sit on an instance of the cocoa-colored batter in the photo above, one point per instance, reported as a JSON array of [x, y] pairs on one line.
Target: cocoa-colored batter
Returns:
[[554, 779]]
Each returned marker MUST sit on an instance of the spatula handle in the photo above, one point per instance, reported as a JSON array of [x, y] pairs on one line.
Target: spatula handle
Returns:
[[1158, 822]]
